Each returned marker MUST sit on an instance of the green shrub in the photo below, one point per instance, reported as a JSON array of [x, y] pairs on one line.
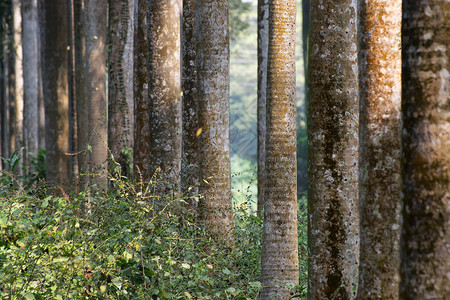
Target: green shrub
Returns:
[[123, 243]]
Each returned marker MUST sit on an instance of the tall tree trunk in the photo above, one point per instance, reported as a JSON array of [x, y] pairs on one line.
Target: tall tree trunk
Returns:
[[333, 150], [11, 90], [90, 16], [141, 150], [18, 79], [53, 26], [279, 255], [425, 255], [30, 78], [190, 163], [379, 148], [4, 86], [164, 89], [263, 41], [213, 64], [120, 82], [73, 148], [306, 7]]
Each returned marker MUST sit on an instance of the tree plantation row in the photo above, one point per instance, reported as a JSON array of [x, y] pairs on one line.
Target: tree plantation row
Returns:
[[131, 89]]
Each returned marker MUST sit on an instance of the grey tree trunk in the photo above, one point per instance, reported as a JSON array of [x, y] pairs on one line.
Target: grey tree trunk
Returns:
[[53, 30], [30, 78], [18, 80], [73, 148], [425, 254], [263, 41], [141, 150], [213, 64], [90, 60], [279, 257], [379, 148], [5, 85], [120, 83], [165, 90], [333, 150], [191, 161]]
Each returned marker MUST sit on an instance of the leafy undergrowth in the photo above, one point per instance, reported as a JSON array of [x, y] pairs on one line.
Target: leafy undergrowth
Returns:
[[117, 244]]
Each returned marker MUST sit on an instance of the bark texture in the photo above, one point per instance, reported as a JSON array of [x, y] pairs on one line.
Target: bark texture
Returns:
[[5, 36], [120, 82], [279, 257], [141, 151], [263, 41], [425, 249], [73, 130], [190, 163], [30, 77], [18, 80], [379, 148], [164, 89], [333, 150], [90, 60], [213, 64], [53, 26]]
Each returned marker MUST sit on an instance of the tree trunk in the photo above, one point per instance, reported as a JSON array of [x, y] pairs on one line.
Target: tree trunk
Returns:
[[90, 70], [333, 151], [120, 83], [5, 79], [191, 161], [53, 26], [425, 256], [141, 151], [73, 148], [30, 78], [213, 64], [263, 41], [18, 81], [379, 148], [165, 90], [280, 239]]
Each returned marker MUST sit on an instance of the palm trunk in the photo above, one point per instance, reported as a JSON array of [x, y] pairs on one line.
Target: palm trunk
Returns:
[[333, 150], [379, 148], [190, 163], [120, 83], [53, 24], [263, 40], [425, 255], [279, 257], [30, 77], [90, 61], [165, 90], [141, 150], [213, 63]]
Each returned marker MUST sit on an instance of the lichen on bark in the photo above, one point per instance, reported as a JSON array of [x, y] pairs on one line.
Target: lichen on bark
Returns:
[[213, 63], [379, 148], [279, 257], [333, 150], [120, 82], [164, 89]]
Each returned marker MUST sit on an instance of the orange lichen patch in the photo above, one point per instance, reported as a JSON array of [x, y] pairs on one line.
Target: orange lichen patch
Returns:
[[380, 94], [280, 251]]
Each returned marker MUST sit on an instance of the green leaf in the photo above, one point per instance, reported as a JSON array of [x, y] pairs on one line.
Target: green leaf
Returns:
[[117, 282], [45, 203], [30, 296], [185, 266]]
